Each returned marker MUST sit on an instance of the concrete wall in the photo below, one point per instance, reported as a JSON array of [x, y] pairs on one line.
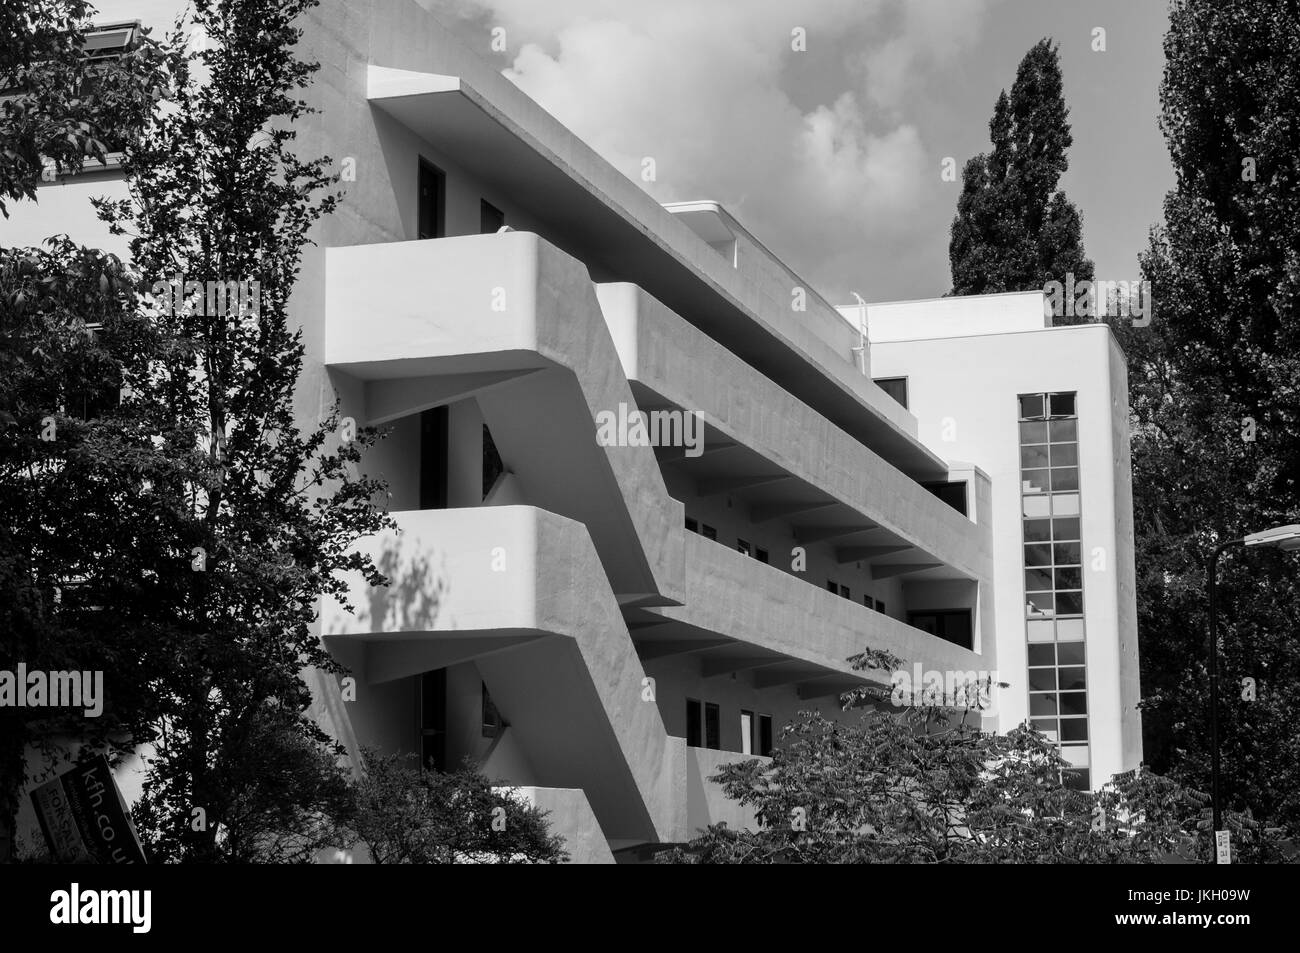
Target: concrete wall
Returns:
[[980, 425]]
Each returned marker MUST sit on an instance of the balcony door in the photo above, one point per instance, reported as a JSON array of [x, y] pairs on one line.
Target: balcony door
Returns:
[[431, 216]]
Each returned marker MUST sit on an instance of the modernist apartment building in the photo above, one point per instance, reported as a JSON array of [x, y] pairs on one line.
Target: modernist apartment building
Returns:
[[602, 622]]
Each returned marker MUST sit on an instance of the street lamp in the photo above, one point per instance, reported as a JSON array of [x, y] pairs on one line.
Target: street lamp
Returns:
[[1279, 537]]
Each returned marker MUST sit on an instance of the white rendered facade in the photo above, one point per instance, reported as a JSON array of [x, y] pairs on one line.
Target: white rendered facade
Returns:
[[602, 625]]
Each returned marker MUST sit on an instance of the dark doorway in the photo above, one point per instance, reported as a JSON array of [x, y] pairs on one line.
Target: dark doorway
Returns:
[[433, 719], [433, 459], [432, 219], [490, 218]]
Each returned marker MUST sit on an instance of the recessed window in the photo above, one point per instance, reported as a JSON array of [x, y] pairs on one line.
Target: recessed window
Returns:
[[712, 726], [744, 547], [765, 735], [895, 387], [880, 606], [868, 601], [832, 586], [694, 722], [708, 531], [951, 625], [692, 525], [431, 210], [844, 591], [492, 723], [761, 555], [954, 494], [490, 218]]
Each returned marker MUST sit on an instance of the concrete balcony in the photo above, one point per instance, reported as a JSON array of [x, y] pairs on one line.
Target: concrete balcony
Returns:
[[742, 615], [783, 459], [705, 801], [522, 593], [513, 322]]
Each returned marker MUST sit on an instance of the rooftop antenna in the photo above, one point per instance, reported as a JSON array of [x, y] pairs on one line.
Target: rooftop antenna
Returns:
[[861, 349]]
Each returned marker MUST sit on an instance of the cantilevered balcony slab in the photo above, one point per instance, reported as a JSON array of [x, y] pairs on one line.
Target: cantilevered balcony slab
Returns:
[[811, 632], [528, 588], [514, 322], [671, 362]]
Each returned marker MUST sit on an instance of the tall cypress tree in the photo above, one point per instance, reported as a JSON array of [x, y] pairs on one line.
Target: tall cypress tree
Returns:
[[1214, 385], [1014, 230]]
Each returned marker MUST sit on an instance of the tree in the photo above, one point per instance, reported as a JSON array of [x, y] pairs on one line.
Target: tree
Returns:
[[911, 788], [1214, 386], [1014, 230], [73, 534], [65, 108], [256, 512], [407, 814]]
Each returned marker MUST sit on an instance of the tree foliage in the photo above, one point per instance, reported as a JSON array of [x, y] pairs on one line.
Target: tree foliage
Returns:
[[62, 108], [1014, 229], [911, 788], [75, 533], [258, 508], [1214, 387], [403, 813]]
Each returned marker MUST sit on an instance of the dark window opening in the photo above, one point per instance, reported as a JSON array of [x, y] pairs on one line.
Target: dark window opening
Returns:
[[844, 591], [433, 195], [692, 525], [880, 606], [693, 723], [951, 625], [492, 465], [708, 531], [490, 218], [761, 555], [954, 494], [868, 601], [895, 387], [433, 719], [744, 547], [433, 459], [765, 735], [492, 721], [712, 726]]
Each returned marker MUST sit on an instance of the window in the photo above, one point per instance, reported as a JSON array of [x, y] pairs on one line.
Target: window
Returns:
[[490, 218], [954, 494], [747, 728], [492, 722], [765, 735], [693, 722], [712, 726], [880, 606], [951, 625], [744, 547], [761, 555], [868, 601], [433, 458], [433, 719], [895, 387], [708, 531], [492, 465], [431, 212], [692, 525], [844, 592], [110, 41], [833, 587], [1053, 566]]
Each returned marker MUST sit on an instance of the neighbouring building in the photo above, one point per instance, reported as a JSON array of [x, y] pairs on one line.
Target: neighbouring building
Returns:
[[601, 621]]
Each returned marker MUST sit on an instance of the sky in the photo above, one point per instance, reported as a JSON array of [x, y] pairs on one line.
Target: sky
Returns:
[[832, 155]]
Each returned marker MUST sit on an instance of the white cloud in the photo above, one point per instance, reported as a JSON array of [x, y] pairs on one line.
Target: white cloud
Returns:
[[813, 154]]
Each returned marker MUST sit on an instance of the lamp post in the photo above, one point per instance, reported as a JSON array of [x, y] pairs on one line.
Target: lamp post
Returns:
[[1279, 537]]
